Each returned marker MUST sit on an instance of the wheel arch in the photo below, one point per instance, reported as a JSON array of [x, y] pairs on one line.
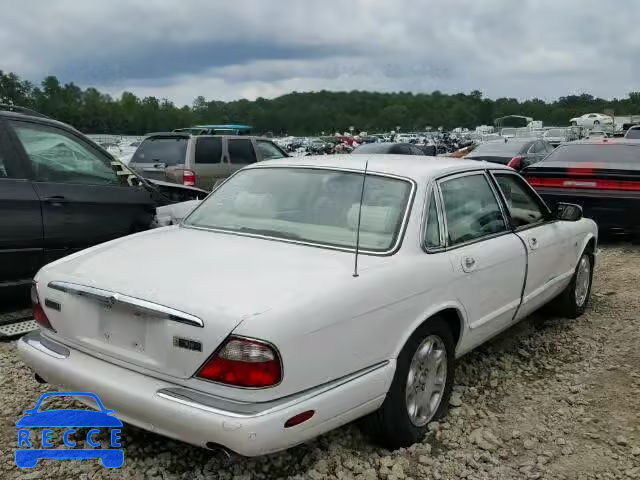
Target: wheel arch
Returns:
[[452, 313], [590, 243]]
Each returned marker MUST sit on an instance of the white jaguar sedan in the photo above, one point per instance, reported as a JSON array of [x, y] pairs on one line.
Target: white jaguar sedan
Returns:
[[304, 294]]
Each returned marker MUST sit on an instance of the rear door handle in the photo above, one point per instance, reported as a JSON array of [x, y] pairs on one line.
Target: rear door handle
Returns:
[[56, 200]]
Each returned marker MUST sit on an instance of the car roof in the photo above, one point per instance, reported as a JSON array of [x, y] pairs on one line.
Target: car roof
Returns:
[[35, 118], [188, 135], [416, 167], [225, 125], [382, 147], [605, 141]]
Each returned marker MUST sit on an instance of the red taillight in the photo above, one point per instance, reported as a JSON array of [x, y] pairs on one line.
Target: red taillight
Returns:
[[299, 418], [244, 362], [590, 183], [189, 178], [38, 312], [515, 162]]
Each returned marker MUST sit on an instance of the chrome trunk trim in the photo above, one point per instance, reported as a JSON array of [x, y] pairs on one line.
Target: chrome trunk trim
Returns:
[[237, 409], [109, 299], [46, 346]]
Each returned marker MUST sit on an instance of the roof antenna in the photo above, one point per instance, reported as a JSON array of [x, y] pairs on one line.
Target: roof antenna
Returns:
[[364, 178]]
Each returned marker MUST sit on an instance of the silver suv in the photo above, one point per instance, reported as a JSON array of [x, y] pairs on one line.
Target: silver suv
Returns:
[[199, 160]]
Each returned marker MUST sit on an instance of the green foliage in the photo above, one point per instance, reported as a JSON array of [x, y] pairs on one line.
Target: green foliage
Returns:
[[296, 113]]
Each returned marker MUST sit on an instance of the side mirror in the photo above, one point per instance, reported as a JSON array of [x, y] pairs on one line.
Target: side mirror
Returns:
[[568, 212]]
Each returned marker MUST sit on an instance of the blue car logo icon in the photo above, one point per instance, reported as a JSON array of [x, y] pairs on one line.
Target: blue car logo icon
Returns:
[[68, 418]]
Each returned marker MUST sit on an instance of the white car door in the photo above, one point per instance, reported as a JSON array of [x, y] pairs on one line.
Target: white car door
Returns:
[[545, 240], [488, 260]]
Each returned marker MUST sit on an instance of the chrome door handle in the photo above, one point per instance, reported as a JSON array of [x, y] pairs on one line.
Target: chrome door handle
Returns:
[[468, 264], [56, 200]]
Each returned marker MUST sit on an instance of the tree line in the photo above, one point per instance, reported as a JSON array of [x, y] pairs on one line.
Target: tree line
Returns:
[[309, 113]]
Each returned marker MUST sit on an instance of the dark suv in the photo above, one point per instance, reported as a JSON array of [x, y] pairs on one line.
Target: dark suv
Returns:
[[60, 192]]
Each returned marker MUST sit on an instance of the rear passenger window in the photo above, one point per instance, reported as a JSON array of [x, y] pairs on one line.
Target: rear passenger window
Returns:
[[208, 150], [241, 151], [432, 231], [471, 209]]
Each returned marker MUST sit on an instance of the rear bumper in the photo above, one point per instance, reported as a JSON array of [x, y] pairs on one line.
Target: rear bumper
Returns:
[[612, 211], [249, 429]]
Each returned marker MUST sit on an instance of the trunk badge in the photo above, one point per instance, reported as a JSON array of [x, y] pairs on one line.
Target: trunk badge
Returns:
[[187, 344]]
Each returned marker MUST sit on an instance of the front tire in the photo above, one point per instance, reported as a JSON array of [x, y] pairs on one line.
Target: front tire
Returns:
[[573, 301], [420, 390]]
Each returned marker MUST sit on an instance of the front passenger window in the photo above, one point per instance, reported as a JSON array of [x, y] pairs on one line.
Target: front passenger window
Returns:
[[3, 170], [58, 157], [523, 205], [471, 209], [269, 151]]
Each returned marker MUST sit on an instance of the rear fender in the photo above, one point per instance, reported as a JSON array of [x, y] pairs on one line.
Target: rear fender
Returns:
[[431, 312]]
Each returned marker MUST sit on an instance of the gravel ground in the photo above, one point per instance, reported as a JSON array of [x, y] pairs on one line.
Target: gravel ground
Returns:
[[549, 399]]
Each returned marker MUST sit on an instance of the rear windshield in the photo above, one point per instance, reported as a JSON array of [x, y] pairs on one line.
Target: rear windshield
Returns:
[[634, 133], [596, 153], [498, 148], [321, 207], [168, 150], [556, 132]]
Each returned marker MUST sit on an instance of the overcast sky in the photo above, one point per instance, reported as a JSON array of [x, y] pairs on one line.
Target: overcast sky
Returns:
[[249, 48]]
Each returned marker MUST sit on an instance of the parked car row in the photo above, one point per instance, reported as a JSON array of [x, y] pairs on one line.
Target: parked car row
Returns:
[[400, 264]]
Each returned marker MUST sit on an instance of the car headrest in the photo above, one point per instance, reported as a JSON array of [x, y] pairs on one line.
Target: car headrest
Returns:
[[373, 219], [254, 204]]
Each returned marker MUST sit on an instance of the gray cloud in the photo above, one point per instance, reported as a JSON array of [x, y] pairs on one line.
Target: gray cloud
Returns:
[[250, 48]]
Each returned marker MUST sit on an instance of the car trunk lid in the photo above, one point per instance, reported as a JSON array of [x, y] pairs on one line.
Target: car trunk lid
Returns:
[[145, 301], [490, 158]]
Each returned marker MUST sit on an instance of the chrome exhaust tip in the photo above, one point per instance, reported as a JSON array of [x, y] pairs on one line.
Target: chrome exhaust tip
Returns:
[[224, 453]]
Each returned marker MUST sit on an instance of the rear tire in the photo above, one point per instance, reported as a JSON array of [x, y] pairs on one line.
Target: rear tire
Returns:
[[420, 390], [573, 301]]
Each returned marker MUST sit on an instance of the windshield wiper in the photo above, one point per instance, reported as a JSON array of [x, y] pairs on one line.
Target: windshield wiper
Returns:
[[270, 233]]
